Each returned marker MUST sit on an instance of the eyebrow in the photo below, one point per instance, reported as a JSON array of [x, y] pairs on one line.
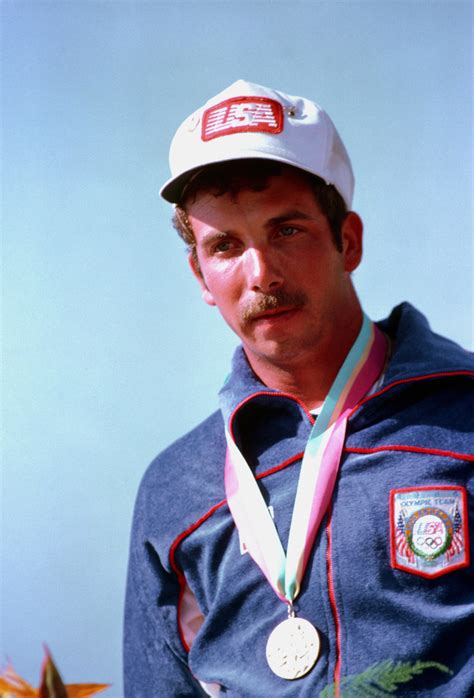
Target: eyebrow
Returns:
[[214, 236], [291, 215]]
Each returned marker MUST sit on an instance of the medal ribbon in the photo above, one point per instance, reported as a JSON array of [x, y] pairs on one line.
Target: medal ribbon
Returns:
[[362, 366]]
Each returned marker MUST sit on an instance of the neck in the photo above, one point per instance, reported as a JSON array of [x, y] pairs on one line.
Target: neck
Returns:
[[308, 375]]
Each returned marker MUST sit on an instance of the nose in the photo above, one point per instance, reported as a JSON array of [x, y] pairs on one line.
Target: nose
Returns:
[[262, 270]]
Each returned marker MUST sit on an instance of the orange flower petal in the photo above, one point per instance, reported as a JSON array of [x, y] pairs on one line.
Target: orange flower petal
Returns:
[[83, 690], [11, 684]]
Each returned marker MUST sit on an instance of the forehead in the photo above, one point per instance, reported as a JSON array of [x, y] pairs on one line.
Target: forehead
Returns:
[[290, 189], [235, 175]]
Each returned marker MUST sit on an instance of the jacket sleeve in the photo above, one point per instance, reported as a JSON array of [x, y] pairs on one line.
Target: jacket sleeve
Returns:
[[155, 663]]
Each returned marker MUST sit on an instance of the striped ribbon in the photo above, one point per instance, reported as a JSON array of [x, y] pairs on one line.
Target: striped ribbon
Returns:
[[319, 467]]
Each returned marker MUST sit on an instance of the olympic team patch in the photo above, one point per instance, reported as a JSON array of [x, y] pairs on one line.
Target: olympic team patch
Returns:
[[429, 530]]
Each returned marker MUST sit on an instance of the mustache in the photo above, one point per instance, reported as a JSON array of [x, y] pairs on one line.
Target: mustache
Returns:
[[271, 301]]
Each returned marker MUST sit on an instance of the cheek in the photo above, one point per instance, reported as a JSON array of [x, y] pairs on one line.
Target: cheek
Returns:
[[213, 290], [222, 282], [226, 297]]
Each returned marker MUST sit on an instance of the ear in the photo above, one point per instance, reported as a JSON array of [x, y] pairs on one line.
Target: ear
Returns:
[[352, 233], [205, 293]]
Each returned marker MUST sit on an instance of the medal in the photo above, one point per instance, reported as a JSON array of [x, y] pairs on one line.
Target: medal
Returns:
[[293, 646]]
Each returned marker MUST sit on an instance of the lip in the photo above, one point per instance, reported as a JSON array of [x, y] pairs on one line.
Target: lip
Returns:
[[275, 314]]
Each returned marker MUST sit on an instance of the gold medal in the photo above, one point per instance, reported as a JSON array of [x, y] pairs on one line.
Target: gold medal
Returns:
[[293, 648]]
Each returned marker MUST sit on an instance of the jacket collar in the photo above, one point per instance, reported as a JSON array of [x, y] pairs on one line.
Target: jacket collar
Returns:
[[241, 384]]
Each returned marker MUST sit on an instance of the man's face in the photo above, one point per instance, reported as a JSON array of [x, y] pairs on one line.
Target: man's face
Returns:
[[269, 263]]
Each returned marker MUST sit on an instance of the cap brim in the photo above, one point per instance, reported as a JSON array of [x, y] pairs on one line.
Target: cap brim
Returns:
[[172, 190]]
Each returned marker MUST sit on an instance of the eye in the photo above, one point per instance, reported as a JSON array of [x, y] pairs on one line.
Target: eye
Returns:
[[222, 246], [287, 231]]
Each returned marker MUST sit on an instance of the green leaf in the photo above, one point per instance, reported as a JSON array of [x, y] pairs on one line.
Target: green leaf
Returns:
[[380, 680]]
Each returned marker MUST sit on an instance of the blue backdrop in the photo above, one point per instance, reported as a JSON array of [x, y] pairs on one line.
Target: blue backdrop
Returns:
[[109, 352]]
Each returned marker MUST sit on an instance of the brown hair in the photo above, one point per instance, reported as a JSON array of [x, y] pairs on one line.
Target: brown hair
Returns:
[[233, 176]]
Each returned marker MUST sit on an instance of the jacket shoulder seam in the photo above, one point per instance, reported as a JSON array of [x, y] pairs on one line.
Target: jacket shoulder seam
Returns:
[[412, 379], [412, 449]]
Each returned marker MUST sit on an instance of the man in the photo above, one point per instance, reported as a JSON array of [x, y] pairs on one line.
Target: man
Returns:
[[316, 526]]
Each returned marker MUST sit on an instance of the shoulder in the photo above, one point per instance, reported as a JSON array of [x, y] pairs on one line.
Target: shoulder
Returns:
[[425, 399], [419, 352], [193, 455], [187, 477]]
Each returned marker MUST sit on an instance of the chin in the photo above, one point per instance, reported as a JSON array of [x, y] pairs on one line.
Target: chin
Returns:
[[283, 351]]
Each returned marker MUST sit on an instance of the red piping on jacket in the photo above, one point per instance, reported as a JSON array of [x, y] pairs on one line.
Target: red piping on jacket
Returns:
[[177, 570], [177, 541]]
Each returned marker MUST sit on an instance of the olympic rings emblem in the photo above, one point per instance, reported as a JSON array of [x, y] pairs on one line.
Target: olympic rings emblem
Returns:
[[429, 542]]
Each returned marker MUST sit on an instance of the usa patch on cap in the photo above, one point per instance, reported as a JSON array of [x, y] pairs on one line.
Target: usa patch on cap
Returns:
[[429, 530], [240, 115]]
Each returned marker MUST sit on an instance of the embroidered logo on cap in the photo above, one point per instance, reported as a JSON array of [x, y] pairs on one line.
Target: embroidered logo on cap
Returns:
[[428, 530], [242, 114]]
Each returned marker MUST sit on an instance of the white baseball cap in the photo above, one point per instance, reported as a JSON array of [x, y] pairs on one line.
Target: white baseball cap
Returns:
[[251, 121]]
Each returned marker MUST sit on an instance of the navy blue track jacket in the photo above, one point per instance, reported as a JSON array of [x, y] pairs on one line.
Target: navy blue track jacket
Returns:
[[389, 577]]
